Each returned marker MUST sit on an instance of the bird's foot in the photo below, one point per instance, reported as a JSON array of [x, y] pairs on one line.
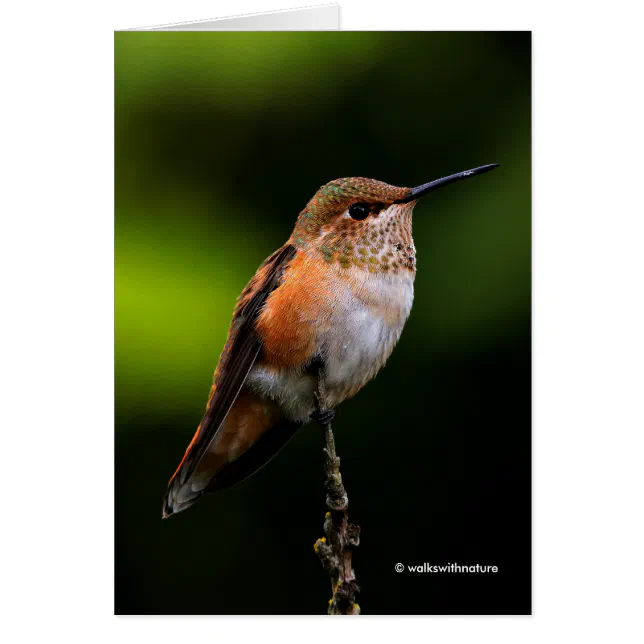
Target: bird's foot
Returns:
[[323, 416]]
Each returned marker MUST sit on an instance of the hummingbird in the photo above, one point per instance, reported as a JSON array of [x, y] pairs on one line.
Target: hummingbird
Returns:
[[326, 309]]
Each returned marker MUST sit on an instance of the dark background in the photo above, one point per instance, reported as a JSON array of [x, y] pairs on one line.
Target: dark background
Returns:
[[221, 139]]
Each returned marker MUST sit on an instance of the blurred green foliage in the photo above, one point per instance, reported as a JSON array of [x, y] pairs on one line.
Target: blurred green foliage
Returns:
[[220, 140]]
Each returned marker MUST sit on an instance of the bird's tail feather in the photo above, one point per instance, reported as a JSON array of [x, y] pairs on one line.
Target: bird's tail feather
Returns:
[[250, 436]]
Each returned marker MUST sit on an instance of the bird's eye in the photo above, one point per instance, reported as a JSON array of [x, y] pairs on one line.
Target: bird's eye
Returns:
[[359, 211]]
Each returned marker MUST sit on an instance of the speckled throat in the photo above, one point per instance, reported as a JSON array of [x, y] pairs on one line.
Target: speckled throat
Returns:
[[379, 243]]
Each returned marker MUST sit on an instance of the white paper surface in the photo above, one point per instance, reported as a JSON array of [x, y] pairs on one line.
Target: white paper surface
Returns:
[[319, 18]]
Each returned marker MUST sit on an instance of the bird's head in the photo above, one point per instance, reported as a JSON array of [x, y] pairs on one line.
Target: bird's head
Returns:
[[365, 223]]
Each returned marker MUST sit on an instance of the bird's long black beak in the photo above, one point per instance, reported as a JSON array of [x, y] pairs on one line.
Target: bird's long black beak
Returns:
[[418, 192]]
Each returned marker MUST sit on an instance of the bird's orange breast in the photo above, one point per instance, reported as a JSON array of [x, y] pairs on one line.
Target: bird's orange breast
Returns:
[[297, 313]]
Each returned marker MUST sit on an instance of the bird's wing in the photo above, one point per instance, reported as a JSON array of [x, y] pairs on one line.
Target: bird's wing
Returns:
[[237, 358]]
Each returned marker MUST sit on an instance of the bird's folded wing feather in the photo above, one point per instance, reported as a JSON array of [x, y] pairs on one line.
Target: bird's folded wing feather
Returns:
[[240, 353]]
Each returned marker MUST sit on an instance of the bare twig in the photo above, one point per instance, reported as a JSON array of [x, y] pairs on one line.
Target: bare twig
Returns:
[[335, 549]]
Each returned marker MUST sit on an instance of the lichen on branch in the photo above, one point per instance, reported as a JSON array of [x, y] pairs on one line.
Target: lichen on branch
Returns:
[[341, 538]]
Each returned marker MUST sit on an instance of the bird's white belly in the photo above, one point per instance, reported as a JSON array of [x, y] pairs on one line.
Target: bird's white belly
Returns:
[[363, 336], [355, 341]]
